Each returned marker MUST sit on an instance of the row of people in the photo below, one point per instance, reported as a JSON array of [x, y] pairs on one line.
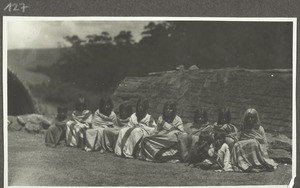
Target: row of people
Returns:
[[137, 135]]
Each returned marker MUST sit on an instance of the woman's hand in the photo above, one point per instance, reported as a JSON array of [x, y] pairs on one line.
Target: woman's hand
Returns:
[[211, 150]]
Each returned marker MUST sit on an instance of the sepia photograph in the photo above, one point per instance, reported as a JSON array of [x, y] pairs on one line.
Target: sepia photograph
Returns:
[[149, 101]]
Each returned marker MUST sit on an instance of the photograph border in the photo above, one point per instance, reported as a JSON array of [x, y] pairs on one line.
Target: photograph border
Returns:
[[6, 19]]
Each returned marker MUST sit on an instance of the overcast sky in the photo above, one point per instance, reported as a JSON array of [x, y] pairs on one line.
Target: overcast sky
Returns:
[[49, 34]]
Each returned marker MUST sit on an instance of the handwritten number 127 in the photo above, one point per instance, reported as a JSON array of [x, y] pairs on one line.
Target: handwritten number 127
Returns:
[[15, 7]]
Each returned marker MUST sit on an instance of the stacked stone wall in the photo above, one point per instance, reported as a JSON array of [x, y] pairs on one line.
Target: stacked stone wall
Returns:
[[268, 91]]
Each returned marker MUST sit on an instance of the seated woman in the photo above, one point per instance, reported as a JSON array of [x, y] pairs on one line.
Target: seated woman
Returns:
[[193, 130], [162, 146], [224, 118], [57, 131], [250, 153], [140, 124], [110, 135], [80, 121], [103, 118]]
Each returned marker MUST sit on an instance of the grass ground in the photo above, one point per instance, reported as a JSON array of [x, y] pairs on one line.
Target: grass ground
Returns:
[[31, 163]]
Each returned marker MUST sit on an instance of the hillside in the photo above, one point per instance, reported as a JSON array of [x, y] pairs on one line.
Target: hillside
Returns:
[[29, 58], [20, 61]]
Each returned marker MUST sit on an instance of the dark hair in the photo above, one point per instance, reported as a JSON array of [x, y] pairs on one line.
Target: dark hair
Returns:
[[127, 108], [103, 102], [200, 112], [142, 102], [173, 105], [145, 104], [250, 111], [61, 113], [224, 113], [80, 103], [205, 136], [62, 109], [219, 133], [219, 137]]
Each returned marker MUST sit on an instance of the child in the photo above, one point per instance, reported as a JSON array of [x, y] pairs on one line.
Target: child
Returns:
[[211, 152], [201, 150], [56, 132], [200, 126], [224, 118]]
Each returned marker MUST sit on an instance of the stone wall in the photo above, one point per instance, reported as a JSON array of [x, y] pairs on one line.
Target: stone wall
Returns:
[[268, 91]]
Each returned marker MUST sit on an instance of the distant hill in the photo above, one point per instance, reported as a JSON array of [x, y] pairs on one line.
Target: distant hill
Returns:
[[29, 58], [20, 61]]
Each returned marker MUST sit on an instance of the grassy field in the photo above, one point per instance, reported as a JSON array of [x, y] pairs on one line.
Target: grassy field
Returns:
[[31, 163]]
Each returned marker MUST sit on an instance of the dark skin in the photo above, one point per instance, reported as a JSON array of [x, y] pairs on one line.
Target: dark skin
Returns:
[[105, 106], [80, 108], [106, 109], [250, 121], [169, 111], [124, 114], [224, 117], [199, 151], [61, 116], [223, 121], [200, 121], [125, 111], [219, 141], [141, 112], [140, 109]]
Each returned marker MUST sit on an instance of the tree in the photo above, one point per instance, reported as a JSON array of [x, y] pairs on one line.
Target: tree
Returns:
[[159, 29], [157, 33], [74, 40], [124, 38], [104, 38]]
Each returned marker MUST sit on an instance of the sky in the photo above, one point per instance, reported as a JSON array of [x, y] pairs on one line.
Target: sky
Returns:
[[49, 34]]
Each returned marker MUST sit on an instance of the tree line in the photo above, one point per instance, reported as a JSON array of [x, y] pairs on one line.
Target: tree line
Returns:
[[101, 61]]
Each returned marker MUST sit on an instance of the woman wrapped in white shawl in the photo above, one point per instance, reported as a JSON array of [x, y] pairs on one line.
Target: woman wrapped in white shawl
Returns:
[[103, 118], [162, 146], [79, 122], [140, 124], [110, 134]]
